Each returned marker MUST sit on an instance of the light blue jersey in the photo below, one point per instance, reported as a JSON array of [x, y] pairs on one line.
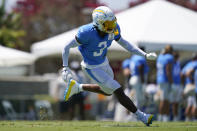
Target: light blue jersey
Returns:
[[195, 79], [126, 63], [176, 72], [137, 61], [162, 61], [190, 65], [93, 47]]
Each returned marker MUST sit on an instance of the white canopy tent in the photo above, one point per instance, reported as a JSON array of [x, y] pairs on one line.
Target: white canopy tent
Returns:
[[12, 57], [152, 24], [157, 23]]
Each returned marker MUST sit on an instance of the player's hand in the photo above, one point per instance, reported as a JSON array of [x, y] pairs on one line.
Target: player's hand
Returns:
[[151, 56], [66, 74]]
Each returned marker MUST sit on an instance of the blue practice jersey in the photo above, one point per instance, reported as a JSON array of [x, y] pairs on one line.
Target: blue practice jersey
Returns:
[[190, 65], [195, 79], [137, 61], [126, 63], [93, 47], [162, 61], [176, 72]]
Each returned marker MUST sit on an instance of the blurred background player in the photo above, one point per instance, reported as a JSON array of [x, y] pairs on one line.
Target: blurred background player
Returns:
[[126, 72], [139, 70], [187, 76], [195, 80], [93, 41], [176, 88], [192, 74], [164, 80]]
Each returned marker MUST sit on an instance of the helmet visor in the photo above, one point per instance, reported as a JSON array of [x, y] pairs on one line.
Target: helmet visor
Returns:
[[109, 26]]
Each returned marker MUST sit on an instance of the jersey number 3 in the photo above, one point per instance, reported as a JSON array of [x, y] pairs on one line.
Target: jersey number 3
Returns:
[[99, 53]]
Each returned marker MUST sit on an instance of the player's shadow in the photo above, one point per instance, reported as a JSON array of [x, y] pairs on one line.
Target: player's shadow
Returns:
[[126, 126]]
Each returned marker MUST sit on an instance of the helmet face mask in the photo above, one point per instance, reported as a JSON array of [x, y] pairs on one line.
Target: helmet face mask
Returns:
[[109, 26], [104, 19]]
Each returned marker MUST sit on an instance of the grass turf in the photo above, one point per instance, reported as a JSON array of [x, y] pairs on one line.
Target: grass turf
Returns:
[[94, 126]]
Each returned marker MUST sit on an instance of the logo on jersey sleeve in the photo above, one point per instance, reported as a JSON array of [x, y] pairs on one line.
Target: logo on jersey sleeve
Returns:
[[116, 32]]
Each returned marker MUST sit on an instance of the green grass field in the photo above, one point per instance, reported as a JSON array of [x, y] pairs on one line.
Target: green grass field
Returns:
[[94, 126]]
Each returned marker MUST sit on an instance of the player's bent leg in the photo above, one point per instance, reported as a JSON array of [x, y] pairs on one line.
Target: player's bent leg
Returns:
[[73, 87], [128, 104], [125, 100], [94, 88]]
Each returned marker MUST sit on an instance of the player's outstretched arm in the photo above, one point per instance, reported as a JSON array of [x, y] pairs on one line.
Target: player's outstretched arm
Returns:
[[132, 48], [66, 73], [65, 53]]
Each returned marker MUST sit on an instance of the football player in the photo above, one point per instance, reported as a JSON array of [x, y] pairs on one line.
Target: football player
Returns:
[[93, 41], [187, 75], [139, 70], [176, 88], [165, 63]]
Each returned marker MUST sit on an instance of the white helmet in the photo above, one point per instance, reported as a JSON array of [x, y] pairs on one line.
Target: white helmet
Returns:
[[104, 19]]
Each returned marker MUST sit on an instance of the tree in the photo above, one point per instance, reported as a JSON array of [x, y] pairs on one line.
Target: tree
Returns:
[[45, 18], [10, 28]]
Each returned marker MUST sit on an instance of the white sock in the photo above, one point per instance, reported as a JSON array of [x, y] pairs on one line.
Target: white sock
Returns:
[[176, 118], [188, 119], [138, 112], [165, 118], [160, 117], [81, 87]]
